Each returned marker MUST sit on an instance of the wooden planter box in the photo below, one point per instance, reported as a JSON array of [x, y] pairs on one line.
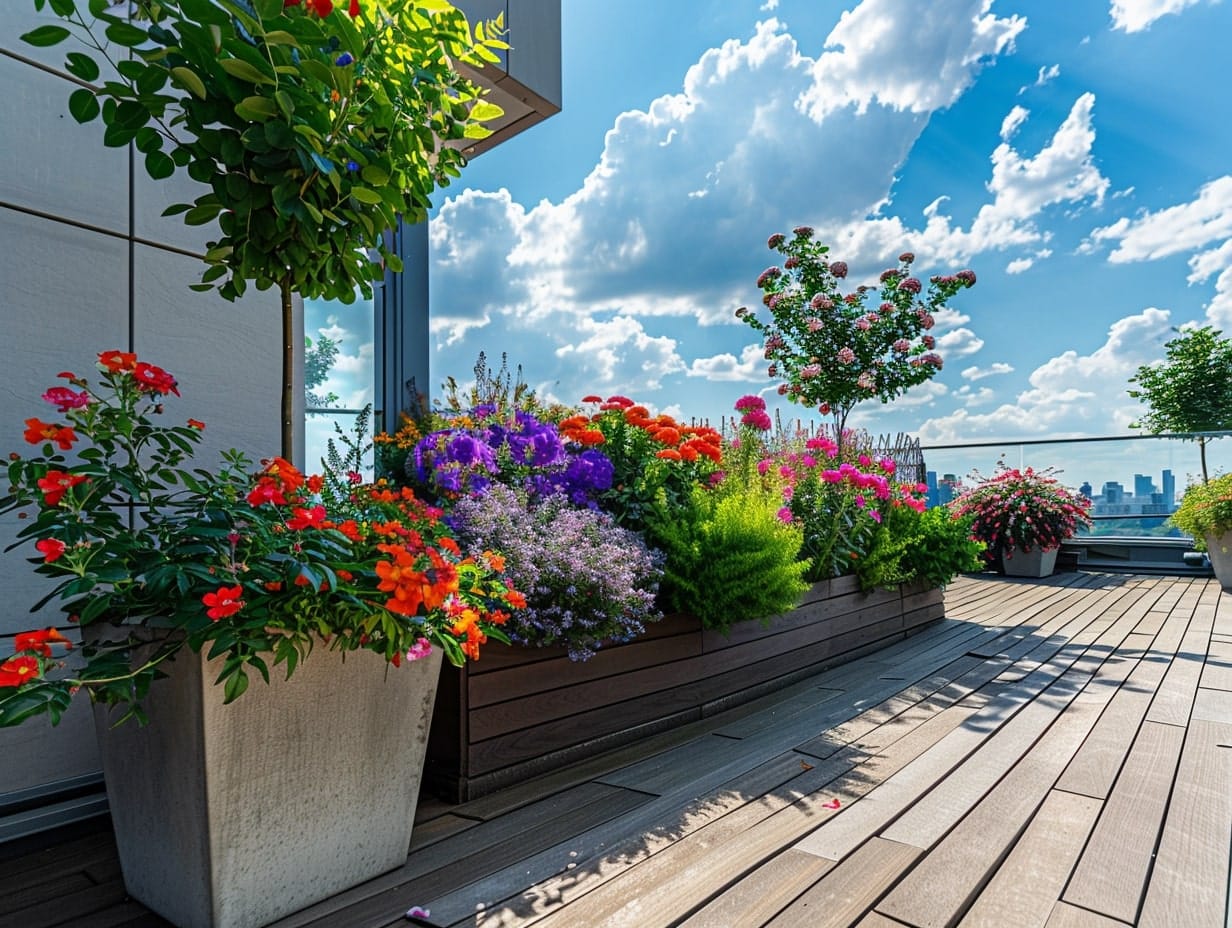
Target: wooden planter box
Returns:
[[520, 711]]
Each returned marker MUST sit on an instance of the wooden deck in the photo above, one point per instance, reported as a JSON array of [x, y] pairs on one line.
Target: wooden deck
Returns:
[[1053, 753]]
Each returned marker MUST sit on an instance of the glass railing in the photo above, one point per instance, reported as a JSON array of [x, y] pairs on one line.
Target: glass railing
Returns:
[[1134, 481]]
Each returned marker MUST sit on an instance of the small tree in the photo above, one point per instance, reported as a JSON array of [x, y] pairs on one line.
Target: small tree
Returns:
[[1191, 390], [830, 350], [314, 125]]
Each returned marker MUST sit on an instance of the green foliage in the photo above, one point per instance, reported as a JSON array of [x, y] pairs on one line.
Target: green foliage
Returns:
[[319, 358], [312, 133], [730, 558], [932, 546], [1205, 509], [1191, 391]]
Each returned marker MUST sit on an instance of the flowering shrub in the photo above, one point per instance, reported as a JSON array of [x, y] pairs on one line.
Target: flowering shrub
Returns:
[[831, 350], [255, 568], [651, 456], [586, 579], [1020, 510], [1206, 509]]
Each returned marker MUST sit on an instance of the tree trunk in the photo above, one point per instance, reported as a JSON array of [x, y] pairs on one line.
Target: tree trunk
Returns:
[[1202, 454], [288, 371]]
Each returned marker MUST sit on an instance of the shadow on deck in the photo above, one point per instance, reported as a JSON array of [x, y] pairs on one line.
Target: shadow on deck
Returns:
[[1052, 753]]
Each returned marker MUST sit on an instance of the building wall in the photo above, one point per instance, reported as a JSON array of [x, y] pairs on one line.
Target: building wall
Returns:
[[89, 265]]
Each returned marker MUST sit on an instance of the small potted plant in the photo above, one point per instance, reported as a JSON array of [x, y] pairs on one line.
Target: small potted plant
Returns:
[[1206, 514], [1022, 516]]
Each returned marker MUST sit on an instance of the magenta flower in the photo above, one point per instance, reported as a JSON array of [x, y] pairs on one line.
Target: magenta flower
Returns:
[[750, 401], [757, 419], [65, 399], [421, 648], [784, 515]]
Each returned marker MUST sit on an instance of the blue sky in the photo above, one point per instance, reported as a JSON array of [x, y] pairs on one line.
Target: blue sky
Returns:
[[1074, 156]]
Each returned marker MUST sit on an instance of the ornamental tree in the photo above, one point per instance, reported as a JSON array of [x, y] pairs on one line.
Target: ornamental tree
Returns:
[[832, 351], [1190, 391], [313, 125]]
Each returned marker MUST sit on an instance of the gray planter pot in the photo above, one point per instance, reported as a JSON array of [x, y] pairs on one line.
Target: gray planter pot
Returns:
[[1033, 563], [1219, 550], [234, 816]]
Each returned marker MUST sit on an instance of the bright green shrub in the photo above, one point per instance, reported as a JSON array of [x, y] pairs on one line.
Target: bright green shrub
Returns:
[[933, 546], [730, 557]]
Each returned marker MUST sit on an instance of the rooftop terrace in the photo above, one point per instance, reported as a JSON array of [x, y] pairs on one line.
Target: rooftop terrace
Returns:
[[1053, 753]]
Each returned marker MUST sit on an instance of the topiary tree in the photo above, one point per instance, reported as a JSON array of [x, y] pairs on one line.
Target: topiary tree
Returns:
[[1191, 390], [830, 350], [314, 125]]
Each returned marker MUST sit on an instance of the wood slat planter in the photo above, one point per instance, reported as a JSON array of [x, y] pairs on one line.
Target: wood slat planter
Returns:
[[521, 711]]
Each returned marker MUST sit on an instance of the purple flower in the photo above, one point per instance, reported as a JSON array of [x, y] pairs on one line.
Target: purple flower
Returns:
[[344, 59]]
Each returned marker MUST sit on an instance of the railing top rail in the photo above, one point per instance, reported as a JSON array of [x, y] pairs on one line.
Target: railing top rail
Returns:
[[1184, 436]]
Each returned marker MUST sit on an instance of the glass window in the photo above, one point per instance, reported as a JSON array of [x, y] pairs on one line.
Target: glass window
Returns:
[[340, 369]]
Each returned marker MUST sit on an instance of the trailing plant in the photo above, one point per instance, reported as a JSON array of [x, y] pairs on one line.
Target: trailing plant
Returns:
[[312, 126], [730, 556], [933, 546], [587, 581], [833, 352]]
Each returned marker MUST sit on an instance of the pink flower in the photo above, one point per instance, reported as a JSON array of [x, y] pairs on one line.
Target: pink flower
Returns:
[[421, 648], [839, 269], [813, 323], [757, 419], [65, 399], [750, 402], [863, 324], [809, 371], [784, 515], [901, 346], [846, 356]]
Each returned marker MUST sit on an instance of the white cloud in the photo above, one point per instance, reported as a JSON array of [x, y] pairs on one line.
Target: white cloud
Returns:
[[979, 373], [1070, 394], [872, 57], [619, 354], [1175, 229], [970, 396], [769, 6], [750, 367], [1018, 265], [1137, 15], [1046, 74], [959, 343]]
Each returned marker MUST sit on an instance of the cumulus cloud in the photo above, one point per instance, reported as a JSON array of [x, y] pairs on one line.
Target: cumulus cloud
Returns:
[[749, 367], [959, 343], [1068, 394], [1046, 74], [1173, 230], [1137, 15]]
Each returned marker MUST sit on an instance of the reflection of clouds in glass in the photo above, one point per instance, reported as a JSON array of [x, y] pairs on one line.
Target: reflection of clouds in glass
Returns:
[[352, 376], [318, 430]]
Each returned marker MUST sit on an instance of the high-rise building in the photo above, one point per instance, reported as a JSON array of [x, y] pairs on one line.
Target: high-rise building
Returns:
[[1113, 492], [934, 498], [1168, 483], [1085, 489], [1143, 488]]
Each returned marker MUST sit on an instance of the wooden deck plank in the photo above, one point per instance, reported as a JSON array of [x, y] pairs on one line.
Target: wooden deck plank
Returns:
[[1068, 916], [761, 895], [1189, 884], [1174, 698], [1218, 671], [1112, 873], [849, 890], [1027, 885]]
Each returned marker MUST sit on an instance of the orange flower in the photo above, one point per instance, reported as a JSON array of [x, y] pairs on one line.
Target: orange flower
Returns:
[[495, 561], [636, 412], [590, 437], [350, 528], [515, 599], [18, 670], [315, 483], [666, 436], [116, 361], [286, 473], [669, 454], [445, 543], [196, 424], [40, 641], [39, 431]]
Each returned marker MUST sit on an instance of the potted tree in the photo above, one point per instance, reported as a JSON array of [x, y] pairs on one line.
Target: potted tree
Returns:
[[1206, 514], [1022, 516]]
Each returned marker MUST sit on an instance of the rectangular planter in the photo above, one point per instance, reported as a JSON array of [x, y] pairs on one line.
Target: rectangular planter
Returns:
[[519, 711]]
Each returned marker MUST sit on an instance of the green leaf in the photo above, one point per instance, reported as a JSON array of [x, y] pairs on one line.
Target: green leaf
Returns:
[[268, 9], [148, 140], [124, 34], [483, 111], [189, 80], [200, 215], [205, 12], [278, 37], [375, 175], [45, 36], [365, 195], [324, 165], [83, 105], [244, 71], [82, 66], [159, 165], [63, 7], [256, 109]]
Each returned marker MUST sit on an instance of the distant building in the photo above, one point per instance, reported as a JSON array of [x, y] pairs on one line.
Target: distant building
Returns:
[[1143, 488], [1113, 493], [1085, 489], [1169, 489]]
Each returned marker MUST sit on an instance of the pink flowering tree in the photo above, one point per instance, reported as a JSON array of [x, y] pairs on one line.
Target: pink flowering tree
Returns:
[[835, 349]]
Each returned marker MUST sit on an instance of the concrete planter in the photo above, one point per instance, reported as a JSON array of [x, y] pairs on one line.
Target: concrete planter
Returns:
[[234, 816], [1219, 550], [1033, 563], [521, 711]]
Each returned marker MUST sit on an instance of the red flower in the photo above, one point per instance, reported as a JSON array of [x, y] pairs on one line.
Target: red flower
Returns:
[[286, 473], [196, 424], [55, 483], [52, 548], [315, 483], [353, 9], [40, 641], [267, 490], [116, 361], [65, 399], [153, 379], [223, 602], [592, 399], [18, 670], [38, 431], [306, 518]]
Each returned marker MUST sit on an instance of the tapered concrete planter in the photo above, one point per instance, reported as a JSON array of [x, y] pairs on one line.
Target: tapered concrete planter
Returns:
[[1033, 563], [234, 816], [1219, 550], [520, 711]]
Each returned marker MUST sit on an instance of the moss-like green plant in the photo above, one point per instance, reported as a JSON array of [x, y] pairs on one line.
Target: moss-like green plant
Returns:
[[730, 557], [933, 546]]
